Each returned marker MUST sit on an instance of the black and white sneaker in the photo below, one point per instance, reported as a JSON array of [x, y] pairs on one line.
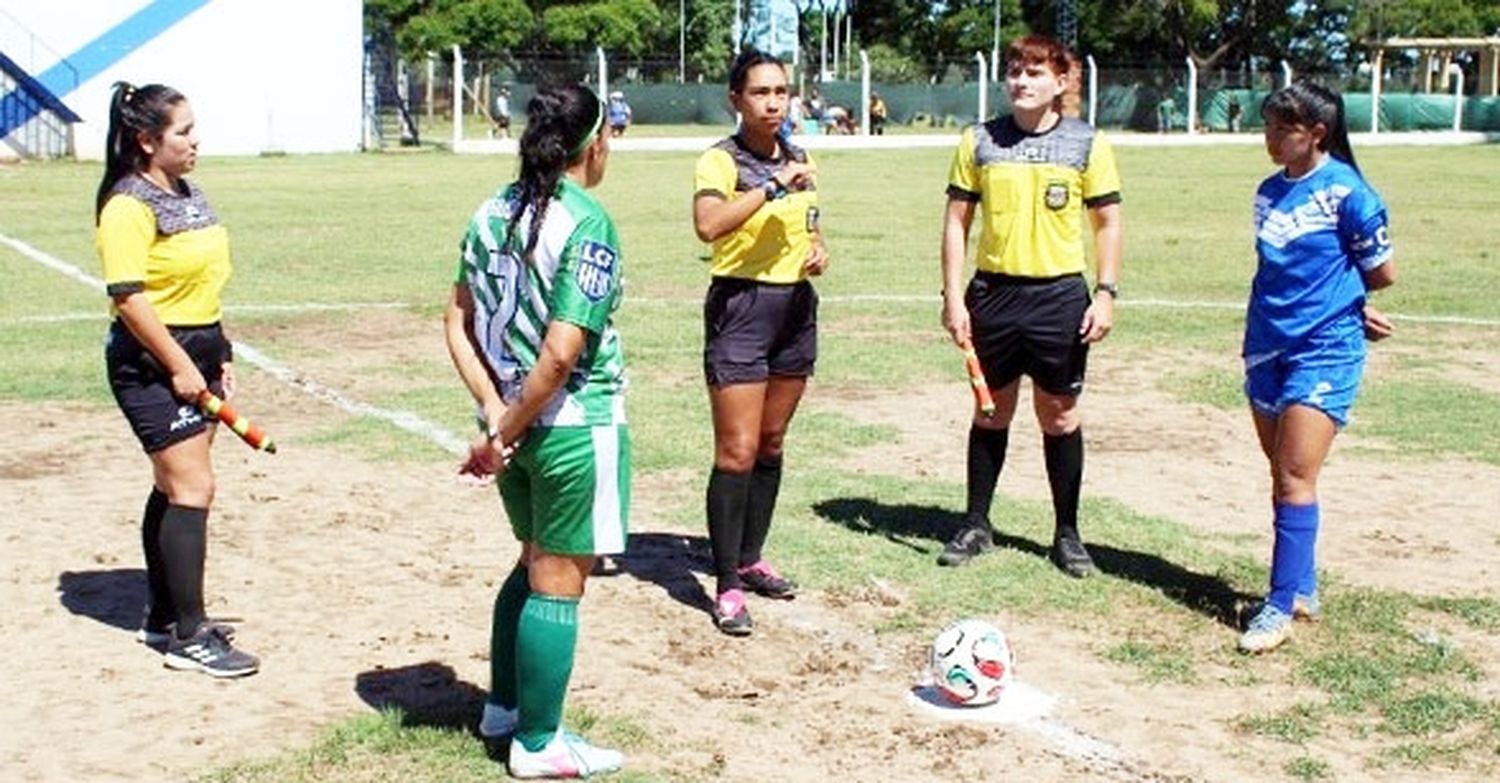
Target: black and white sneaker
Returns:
[[970, 543], [209, 651]]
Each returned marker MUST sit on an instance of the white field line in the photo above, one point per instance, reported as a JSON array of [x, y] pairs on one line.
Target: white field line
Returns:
[[1170, 304], [302, 307], [1063, 737], [404, 420], [948, 140]]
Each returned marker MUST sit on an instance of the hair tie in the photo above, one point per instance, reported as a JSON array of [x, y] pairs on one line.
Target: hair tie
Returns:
[[587, 137], [128, 94]]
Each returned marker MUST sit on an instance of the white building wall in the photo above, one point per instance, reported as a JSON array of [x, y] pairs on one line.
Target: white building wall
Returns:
[[261, 75]]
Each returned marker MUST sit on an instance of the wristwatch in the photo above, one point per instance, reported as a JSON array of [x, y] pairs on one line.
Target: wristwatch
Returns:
[[772, 189], [1113, 289]]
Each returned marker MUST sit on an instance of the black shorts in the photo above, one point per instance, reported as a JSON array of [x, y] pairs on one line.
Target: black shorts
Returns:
[[752, 331], [1029, 326], [144, 390]]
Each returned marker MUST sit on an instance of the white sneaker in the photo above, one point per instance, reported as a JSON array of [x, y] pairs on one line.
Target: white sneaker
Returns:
[[567, 755], [497, 721], [1268, 629]]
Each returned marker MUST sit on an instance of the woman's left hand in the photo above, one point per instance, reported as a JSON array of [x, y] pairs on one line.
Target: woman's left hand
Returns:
[[1378, 325], [817, 260], [230, 386], [1098, 319]]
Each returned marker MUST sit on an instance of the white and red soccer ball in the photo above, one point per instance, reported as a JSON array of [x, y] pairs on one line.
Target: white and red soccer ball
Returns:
[[971, 663]]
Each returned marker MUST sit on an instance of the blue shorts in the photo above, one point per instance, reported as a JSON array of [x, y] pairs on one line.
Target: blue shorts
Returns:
[[1323, 373]]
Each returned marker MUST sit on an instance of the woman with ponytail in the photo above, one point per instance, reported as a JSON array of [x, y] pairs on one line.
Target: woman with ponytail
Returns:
[[529, 327], [166, 260], [1322, 243], [755, 200]]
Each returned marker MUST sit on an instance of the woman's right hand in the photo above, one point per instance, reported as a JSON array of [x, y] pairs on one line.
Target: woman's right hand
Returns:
[[956, 321], [487, 457], [188, 384]]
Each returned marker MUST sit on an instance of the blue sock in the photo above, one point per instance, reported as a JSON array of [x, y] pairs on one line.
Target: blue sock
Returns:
[[1295, 554]]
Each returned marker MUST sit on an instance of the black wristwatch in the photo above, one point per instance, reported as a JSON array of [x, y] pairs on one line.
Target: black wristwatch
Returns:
[[772, 189], [1113, 289]]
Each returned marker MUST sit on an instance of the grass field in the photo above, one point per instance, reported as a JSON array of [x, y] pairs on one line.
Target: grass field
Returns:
[[384, 228]]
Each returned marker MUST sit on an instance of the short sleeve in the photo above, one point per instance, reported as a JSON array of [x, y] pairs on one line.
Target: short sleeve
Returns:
[[1101, 178], [715, 174], [588, 284], [470, 250], [127, 227], [1364, 228], [963, 173]]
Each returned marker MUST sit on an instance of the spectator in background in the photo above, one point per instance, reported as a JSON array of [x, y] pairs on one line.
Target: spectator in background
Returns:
[[1164, 111], [879, 112], [500, 114], [619, 114], [838, 120], [1235, 111], [794, 115]]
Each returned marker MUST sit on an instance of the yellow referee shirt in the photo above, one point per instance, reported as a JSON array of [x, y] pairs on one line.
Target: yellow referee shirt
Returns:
[[169, 246], [1032, 190], [774, 243]]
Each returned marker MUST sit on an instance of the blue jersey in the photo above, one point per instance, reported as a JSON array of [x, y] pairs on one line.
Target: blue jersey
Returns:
[[1314, 237]]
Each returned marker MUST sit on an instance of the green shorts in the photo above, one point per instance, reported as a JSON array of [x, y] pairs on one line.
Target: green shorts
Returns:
[[567, 490]]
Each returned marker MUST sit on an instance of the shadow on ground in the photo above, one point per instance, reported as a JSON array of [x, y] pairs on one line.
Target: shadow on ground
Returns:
[[427, 694], [922, 528], [114, 597], [670, 561]]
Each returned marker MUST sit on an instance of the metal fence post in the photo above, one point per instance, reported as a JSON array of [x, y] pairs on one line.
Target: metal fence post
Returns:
[[1192, 107], [984, 87], [457, 83], [864, 93], [1093, 89]]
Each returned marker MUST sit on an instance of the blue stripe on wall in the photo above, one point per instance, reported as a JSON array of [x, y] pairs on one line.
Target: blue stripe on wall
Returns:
[[95, 56], [115, 43]]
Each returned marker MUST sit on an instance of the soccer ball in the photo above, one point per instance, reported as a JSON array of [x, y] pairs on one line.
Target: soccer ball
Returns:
[[971, 663]]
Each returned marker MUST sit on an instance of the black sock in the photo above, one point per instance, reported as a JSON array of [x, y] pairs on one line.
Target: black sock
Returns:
[[986, 458], [728, 494], [184, 544], [1065, 473], [765, 483], [159, 600]]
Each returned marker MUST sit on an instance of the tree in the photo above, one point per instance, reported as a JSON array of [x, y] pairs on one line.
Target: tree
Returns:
[[628, 27], [483, 27]]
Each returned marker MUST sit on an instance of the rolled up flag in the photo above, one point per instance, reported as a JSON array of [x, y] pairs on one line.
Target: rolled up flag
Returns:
[[251, 434], [982, 396]]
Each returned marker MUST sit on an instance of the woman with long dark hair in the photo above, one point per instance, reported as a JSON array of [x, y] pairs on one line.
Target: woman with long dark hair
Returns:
[[756, 201], [166, 260], [1322, 243], [529, 328]]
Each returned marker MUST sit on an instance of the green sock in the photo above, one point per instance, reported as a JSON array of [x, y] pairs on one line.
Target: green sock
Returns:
[[508, 603], [545, 638]]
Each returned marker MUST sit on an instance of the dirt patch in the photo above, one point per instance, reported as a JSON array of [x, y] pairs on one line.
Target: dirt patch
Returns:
[[363, 583]]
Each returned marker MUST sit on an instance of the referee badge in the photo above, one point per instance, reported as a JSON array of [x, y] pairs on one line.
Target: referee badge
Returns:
[[812, 219], [1057, 194]]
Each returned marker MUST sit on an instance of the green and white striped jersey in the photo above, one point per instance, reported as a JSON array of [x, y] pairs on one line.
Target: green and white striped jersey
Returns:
[[574, 277]]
